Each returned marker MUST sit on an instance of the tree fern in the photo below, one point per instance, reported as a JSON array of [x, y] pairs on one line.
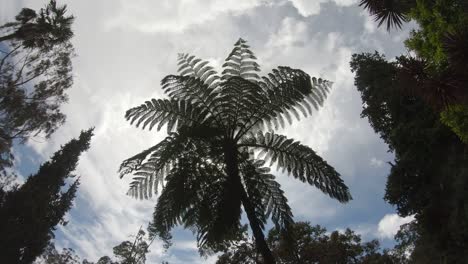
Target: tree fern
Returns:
[[215, 125]]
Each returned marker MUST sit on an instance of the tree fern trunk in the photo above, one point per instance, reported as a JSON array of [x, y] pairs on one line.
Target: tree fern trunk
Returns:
[[260, 242], [232, 168]]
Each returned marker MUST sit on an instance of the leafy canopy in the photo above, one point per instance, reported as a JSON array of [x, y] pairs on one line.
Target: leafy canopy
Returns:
[[428, 178], [35, 72], [313, 245]]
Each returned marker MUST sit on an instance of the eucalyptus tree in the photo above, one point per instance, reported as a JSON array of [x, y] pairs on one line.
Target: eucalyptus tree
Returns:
[[49, 27], [35, 72], [220, 137]]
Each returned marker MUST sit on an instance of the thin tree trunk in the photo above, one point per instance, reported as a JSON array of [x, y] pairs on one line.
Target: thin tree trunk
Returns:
[[7, 37], [260, 241], [232, 167]]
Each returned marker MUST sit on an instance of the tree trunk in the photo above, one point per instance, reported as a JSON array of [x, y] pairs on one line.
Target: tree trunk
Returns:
[[232, 168], [260, 242], [7, 37]]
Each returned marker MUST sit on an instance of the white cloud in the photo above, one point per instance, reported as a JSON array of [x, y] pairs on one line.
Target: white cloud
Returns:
[[374, 162], [308, 8], [167, 15], [390, 224]]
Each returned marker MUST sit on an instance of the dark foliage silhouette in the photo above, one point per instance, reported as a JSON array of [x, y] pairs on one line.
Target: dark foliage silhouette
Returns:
[[391, 12], [206, 166], [35, 72], [428, 178], [41, 30], [29, 213], [52, 256], [313, 245], [417, 104], [128, 252]]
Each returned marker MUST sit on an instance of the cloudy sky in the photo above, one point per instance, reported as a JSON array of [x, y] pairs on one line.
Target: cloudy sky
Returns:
[[124, 48]]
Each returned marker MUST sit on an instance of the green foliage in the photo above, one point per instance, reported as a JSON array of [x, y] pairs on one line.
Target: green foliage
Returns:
[[429, 176], [206, 167], [40, 31], [132, 252], [456, 117], [128, 252], [52, 256], [312, 245], [31, 212], [35, 72], [435, 18]]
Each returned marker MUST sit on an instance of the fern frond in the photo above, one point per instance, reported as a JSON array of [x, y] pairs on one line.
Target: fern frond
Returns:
[[193, 90], [197, 195], [299, 161], [266, 195], [174, 113], [134, 163], [193, 67], [152, 165], [288, 93], [241, 63], [240, 97]]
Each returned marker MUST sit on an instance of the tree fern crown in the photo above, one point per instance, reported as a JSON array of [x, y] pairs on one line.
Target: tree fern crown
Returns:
[[210, 117]]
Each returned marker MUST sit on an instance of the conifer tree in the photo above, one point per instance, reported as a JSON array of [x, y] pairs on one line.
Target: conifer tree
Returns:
[[30, 213]]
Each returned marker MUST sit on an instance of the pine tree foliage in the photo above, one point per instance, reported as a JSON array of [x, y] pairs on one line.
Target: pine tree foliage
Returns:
[[205, 167], [31, 212]]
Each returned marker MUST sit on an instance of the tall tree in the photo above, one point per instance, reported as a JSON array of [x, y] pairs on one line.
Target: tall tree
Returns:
[[314, 245], [429, 176], [128, 252], [35, 72], [44, 30], [30, 213], [133, 252], [439, 72], [52, 256], [206, 165], [408, 102]]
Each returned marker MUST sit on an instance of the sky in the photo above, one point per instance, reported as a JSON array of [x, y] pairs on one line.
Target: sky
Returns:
[[124, 48]]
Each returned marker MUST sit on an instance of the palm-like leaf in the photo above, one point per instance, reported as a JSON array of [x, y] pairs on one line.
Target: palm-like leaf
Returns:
[[391, 12], [286, 92], [241, 63], [267, 195], [152, 165], [199, 69], [205, 164], [300, 161], [174, 113]]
